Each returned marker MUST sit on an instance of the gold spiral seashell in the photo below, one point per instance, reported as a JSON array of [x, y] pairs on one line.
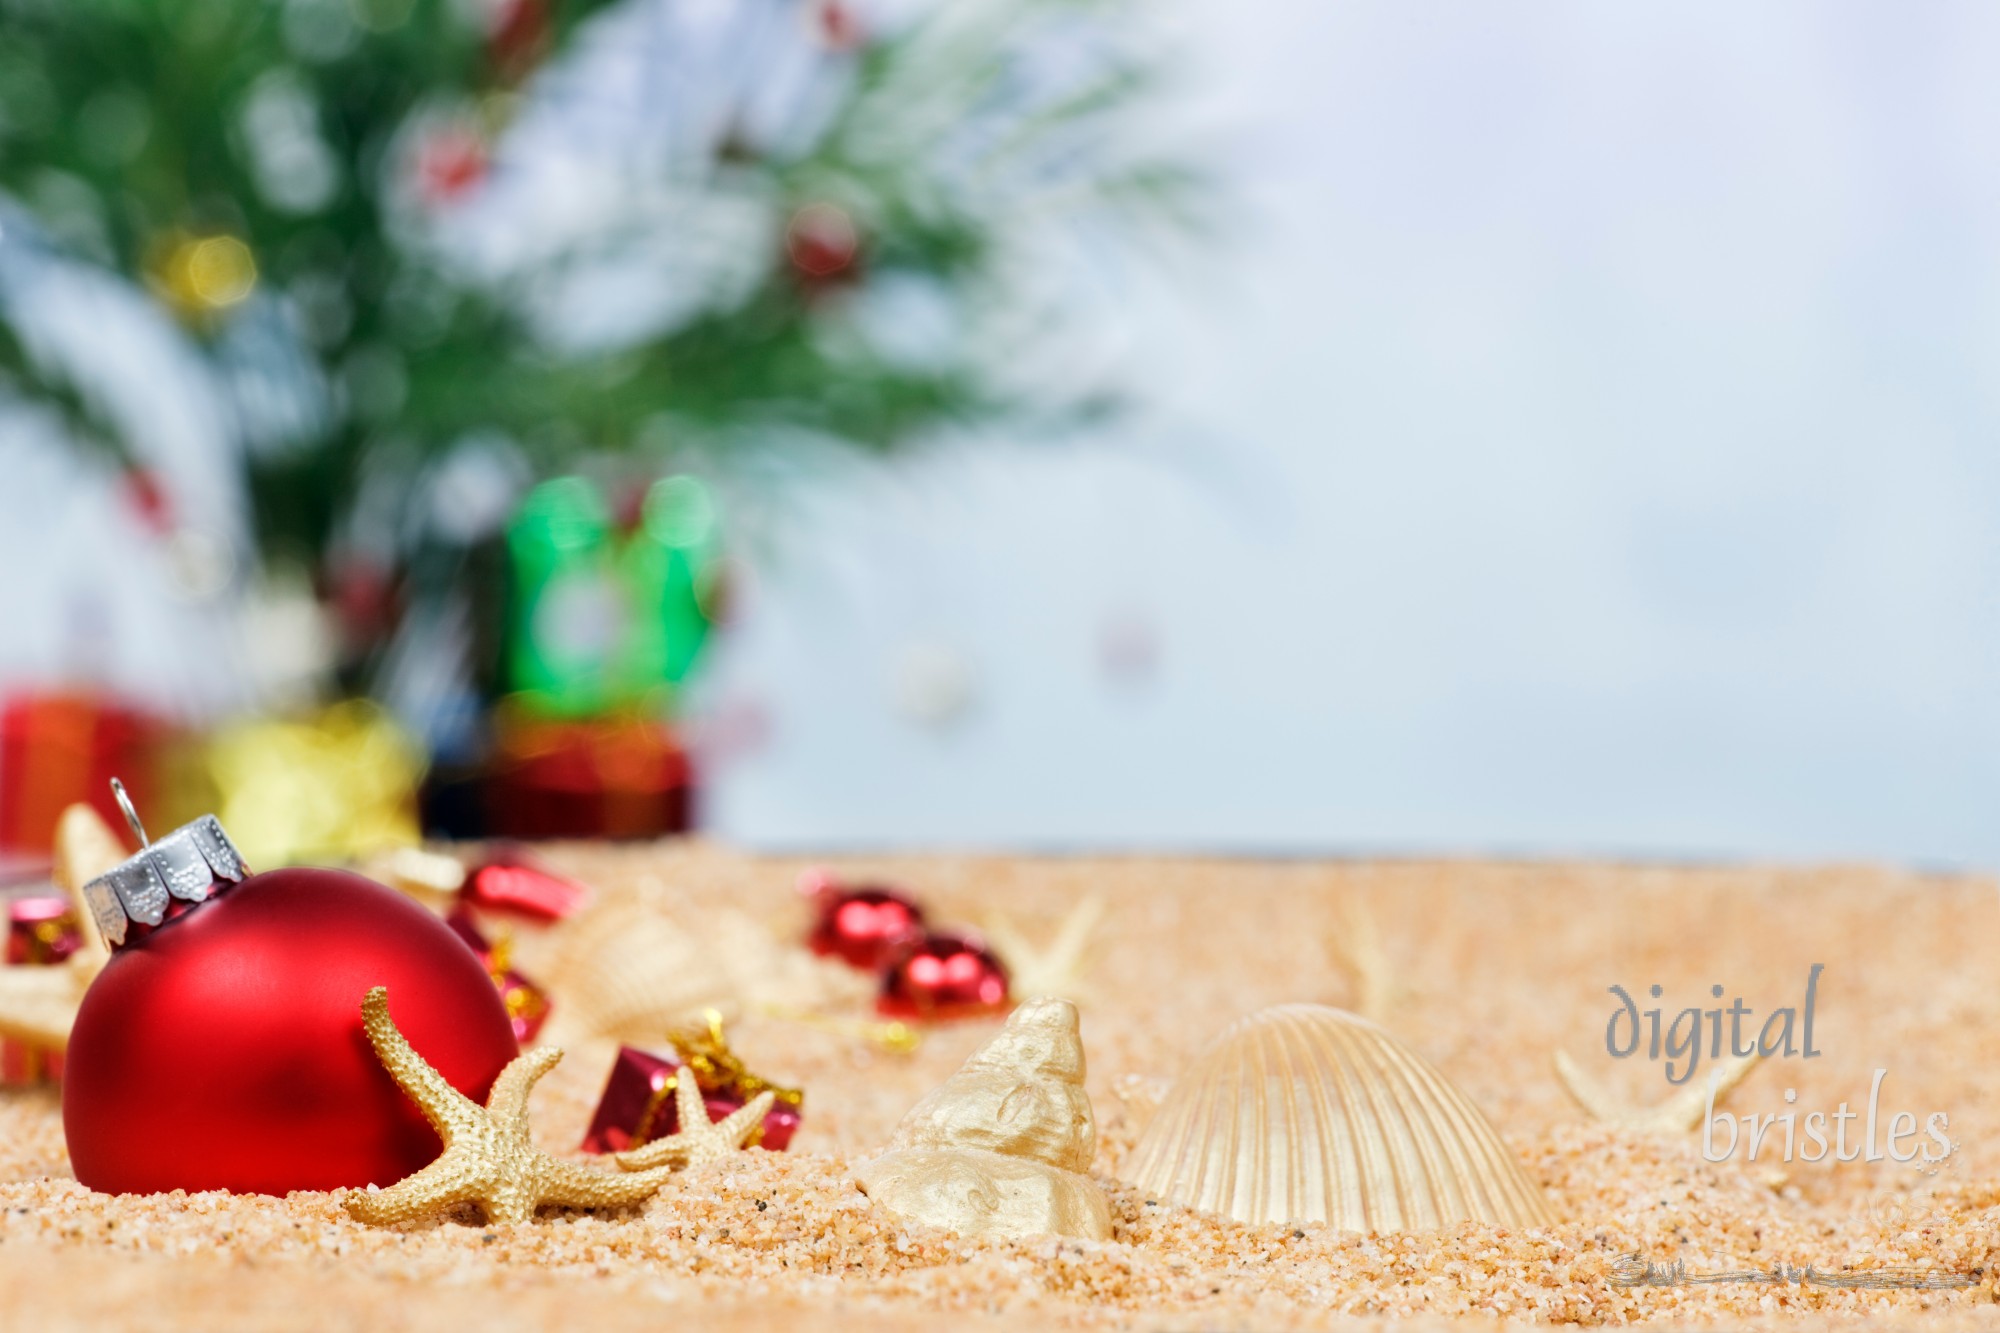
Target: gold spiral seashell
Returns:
[[1000, 1148], [1301, 1113]]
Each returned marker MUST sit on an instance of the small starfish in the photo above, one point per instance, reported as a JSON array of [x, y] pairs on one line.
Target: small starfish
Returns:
[[38, 1003], [489, 1158], [1679, 1114], [1357, 950], [1055, 970], [699, 1139]]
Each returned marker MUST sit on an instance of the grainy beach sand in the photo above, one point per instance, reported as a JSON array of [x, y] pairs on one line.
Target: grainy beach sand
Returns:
[[1491, 967]]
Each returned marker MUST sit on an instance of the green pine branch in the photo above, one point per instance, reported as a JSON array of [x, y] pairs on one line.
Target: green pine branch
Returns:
[[125, 124]]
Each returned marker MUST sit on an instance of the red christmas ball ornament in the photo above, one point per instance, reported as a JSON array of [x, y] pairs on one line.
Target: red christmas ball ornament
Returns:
[[221, 1047], [149, 502], [822, 243], [519, 36], [866, 925], [450, 162], [838, 25], [948, 974]]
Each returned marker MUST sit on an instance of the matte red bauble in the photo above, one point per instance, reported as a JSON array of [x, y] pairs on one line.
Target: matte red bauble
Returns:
[[864, 926], [224, 1050], [949, 974]]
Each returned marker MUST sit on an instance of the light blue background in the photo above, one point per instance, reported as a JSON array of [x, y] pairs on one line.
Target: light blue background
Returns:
[[1587, 444]]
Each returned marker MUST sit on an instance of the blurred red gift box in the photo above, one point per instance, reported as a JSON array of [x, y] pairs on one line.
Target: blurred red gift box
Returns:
[[58, 748], [602, 778]]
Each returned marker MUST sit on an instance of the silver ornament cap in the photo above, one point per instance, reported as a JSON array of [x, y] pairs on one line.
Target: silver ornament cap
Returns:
[[192, 864]]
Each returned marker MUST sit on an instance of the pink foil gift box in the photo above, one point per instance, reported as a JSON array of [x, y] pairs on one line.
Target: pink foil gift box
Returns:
[[638, 1102]]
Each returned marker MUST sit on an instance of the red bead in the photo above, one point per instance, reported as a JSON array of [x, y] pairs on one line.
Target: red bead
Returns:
[[511, 882], [865, 926], [948, 974], [225, 1049], [637, 1106]]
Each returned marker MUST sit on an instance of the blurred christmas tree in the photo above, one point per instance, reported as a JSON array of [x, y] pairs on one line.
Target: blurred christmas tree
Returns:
[[421, 252]]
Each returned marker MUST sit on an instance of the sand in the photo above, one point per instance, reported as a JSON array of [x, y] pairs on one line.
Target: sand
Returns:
[[1486, 969]]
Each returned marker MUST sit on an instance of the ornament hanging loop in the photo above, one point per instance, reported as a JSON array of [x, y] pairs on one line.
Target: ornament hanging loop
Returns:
[[191, 864], [118, 794]]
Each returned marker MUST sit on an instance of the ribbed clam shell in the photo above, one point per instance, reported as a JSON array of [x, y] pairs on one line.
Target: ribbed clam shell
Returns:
[[633, 975], [1302, 1113]]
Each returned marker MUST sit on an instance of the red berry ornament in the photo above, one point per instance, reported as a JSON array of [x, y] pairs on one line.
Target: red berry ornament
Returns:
[[822, 243], [866, 926], [449, 163], [222, 1048], [949, 974]]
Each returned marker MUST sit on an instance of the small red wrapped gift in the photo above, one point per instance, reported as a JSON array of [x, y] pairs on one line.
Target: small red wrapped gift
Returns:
[[618, 777], [56, 749], [41, 931], [638, 1101]]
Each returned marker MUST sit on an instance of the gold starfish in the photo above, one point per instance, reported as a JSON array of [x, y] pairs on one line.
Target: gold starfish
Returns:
[[489, 1158], [1679, 1114], [699, 1139], [38, 1003], [1055, 970]]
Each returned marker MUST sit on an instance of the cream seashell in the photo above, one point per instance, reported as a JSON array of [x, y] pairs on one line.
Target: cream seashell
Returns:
[[1000, 1148], [1301, 1113], [630, 974], [1020, 1095], [986, 1194]]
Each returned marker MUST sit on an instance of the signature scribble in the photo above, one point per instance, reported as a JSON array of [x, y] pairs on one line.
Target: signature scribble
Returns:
[[1635, 1270]]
